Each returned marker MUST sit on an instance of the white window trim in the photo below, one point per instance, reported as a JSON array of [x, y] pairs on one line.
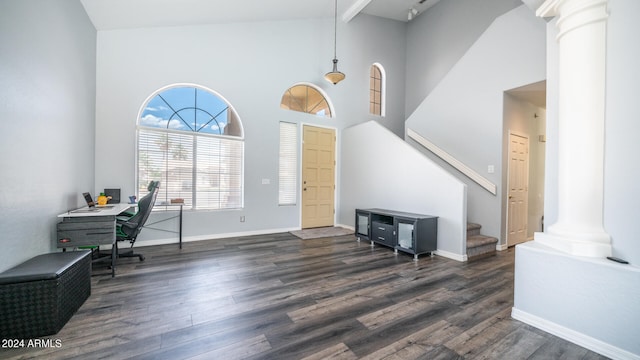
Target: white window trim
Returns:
[[288, 165]]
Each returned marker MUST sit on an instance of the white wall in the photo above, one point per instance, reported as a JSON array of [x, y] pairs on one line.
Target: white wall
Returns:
[[251, 65], [398, 177], [438, 38], [463, 115], [591, 302], [47, 106]]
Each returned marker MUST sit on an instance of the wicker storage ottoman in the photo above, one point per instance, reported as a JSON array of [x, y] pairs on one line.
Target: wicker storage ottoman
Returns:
[[40, 295]]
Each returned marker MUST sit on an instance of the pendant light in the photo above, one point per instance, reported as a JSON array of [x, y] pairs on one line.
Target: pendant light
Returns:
[[335, 76]]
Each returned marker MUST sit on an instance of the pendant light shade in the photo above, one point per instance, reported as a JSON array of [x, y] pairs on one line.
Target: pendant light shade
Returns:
[[335, 76]]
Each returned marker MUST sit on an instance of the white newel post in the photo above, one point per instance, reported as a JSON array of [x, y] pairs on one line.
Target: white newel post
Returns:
[[582, 47]]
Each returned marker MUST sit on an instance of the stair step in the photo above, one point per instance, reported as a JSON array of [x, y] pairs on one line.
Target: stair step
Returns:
[[479, 245], [473, 229], [480, 240]]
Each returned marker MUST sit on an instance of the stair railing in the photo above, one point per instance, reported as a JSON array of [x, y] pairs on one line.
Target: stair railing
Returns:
[[455, 163]]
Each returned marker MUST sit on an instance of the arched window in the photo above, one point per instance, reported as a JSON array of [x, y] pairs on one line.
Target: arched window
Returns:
[[192, 140], [376, 90], [306, 98]]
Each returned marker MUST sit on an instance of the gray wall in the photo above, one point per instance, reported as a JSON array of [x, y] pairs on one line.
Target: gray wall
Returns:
[[47, 106], [251, 65], [438, 38], [464, 114], [622, 168]]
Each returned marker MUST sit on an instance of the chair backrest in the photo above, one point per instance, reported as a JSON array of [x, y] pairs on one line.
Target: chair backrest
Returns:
[[152, 185], [145, 205]]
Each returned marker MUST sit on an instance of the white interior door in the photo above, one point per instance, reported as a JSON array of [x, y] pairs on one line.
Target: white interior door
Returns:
[[518, 194]]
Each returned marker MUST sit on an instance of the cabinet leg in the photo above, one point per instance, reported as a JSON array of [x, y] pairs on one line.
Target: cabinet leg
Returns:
[[358, 238], [372, 244], [395, 251], [415, 257]]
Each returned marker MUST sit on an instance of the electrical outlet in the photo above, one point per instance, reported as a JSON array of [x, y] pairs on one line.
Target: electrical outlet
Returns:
[[491, 169], [242, 218]]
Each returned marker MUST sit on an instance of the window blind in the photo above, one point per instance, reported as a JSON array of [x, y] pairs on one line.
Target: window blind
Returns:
[[287, 173], [206, 171]]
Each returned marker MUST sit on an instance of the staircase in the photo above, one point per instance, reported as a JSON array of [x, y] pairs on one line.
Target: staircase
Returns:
[[479, 246]]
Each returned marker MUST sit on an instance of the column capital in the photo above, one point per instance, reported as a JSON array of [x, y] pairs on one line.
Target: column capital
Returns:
[[573, 14]]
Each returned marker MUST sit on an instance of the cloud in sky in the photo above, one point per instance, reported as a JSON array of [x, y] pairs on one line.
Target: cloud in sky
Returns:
[[156, 122], [155, 109]]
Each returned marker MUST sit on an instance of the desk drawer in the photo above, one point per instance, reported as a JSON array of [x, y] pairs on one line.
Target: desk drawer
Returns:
[[83, 233]]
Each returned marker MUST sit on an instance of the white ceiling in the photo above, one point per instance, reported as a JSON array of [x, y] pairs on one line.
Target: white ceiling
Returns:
[[122, 14], [535, 93]]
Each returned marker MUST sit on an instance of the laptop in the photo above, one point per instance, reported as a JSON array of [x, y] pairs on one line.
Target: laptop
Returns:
[[89, 200], [92, 205]]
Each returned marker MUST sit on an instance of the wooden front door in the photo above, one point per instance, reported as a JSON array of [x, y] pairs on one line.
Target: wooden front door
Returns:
[[318, 177], [518, 201]]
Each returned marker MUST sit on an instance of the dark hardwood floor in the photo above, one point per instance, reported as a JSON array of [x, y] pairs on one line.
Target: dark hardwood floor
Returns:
[[279, 297]]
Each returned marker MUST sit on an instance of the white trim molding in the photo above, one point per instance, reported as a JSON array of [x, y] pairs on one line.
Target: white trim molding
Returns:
[[457, 164]]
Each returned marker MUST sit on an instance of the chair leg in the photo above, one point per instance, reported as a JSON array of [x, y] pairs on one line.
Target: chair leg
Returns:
[[130, 253]]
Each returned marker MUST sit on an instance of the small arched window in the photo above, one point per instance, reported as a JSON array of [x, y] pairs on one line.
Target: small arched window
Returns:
[[306, 98], [376, 90], [192, 141]]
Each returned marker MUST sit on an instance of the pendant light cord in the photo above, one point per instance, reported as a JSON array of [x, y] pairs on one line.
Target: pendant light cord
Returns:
[[335, 30]]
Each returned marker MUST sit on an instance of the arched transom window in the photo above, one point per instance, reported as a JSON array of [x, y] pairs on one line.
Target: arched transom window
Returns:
[[306, 98], [192, 141]]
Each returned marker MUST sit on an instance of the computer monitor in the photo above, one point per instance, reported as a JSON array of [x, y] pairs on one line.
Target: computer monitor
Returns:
[[115, 196]]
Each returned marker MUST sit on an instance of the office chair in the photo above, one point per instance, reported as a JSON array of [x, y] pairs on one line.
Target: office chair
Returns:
[[128, 227]]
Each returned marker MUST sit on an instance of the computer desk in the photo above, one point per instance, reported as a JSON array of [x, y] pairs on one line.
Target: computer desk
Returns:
[[85, 227], [169, 207]]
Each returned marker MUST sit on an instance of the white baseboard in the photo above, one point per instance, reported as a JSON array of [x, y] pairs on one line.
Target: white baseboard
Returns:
[[501, 247], [573, 336], [450, 255], [174, 240]]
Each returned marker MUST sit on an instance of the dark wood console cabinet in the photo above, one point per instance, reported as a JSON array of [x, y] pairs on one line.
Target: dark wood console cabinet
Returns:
[[407, 232]]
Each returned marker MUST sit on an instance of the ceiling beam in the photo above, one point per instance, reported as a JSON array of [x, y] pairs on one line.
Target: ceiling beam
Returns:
[[354, 10]]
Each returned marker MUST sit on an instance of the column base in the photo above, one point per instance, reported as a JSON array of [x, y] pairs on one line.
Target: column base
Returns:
[[595, 244]]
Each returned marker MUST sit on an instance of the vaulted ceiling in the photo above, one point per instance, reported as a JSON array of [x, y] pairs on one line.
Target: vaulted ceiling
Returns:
[[122, 14]]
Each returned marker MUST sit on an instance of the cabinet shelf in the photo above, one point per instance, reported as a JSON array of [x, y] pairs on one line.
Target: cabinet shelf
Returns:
[[407, 232]]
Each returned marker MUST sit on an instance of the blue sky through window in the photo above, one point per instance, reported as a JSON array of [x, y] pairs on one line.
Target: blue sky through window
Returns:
[[187, 109]]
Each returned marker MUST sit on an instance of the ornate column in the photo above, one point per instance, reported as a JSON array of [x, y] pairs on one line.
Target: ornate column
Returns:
[[582, 47]]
